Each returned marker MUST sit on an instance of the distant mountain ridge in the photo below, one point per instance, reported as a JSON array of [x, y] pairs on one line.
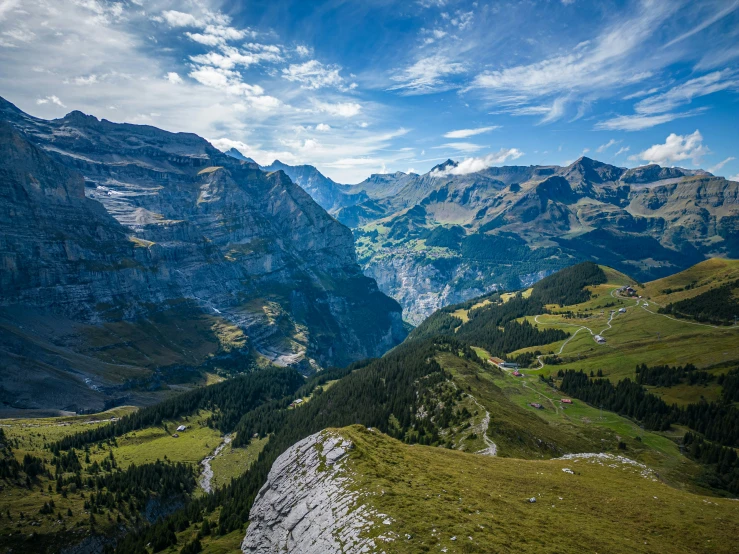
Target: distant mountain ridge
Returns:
[[513, 225], [132, 256]]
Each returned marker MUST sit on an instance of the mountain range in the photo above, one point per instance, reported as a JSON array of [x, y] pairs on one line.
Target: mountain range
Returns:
[[134, 258], [447, 235]]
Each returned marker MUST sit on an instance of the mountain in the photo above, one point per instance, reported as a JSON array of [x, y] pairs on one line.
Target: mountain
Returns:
[[239, 156], [440, 238], [330, 195], [134, 257], [437, 445]]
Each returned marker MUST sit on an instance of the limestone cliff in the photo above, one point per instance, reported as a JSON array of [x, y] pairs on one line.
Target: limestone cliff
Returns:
[[307, 504]]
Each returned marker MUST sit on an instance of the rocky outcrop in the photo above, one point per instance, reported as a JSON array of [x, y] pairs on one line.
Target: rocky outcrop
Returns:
[[422, 287], [307, 504], [105, 223]]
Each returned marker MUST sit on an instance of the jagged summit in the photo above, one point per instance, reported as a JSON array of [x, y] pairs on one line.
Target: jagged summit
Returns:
[[443, 166], [238, 155]]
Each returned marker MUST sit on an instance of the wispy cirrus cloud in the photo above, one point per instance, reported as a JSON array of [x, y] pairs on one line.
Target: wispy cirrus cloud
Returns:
[[461, 146], [427, 75], [603, 147], [717, 167], [660, 108], [466, 133], [596, 67]]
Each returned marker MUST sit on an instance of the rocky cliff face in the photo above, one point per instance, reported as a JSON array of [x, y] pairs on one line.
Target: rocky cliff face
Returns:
[[517, 223], [307, 504], [329, 194], [108, 225]]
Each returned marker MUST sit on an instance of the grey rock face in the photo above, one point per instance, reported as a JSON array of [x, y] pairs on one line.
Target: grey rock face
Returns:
[[104, 222], [326, 192], [307, 506]]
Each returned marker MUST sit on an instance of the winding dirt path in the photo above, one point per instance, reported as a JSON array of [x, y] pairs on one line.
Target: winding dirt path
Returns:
[[492, 448], [206, 479]]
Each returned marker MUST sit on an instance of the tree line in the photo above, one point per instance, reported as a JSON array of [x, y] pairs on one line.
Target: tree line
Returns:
[[384, 393], [228, 400], [716, 421], [719, 305]]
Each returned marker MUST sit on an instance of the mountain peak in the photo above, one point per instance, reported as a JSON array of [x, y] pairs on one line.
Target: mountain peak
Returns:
[[443, 166], [79, 117], [591, 170], [238, 155]]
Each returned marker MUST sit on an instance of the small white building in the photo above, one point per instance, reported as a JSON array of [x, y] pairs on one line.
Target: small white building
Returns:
[[181, 428], [622, 310], [600, 339]]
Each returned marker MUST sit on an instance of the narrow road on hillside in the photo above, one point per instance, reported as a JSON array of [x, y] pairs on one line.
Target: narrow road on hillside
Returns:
[[579, 328], [690, 322], [206, 479]]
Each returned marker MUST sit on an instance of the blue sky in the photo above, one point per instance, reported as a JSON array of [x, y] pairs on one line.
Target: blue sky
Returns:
[[361, 87]]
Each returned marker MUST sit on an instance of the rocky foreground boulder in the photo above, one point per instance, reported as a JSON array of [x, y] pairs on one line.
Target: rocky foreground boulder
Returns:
[[307, 504]]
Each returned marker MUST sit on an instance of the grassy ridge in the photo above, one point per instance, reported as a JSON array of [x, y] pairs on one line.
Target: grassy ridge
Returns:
[[443, 499]]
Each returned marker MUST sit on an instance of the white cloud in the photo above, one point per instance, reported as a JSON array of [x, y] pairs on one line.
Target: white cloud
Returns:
[[314, 75], [603, 147], [676, 148], [215, 35], [427, 75], [50, 99], [714, 169], [173, 18], [462, 20], [6, 6], [734, 177], [551, 112], [302, 51], [473, 165], [85, 81], [637, 122], [174, 78], [230, 82], [339, 109], [622, 150], [323, 127], [465, 133], [462, 146], [230, 57], [20, 35], [686, 92]]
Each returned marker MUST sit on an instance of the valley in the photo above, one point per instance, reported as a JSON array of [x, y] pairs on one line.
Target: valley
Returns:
[[435, 402]]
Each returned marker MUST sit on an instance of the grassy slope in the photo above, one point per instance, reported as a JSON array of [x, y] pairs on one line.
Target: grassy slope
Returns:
[[140, 447], [435, 494], [643, 336], [703, 276], [521, 431], [233, 462]]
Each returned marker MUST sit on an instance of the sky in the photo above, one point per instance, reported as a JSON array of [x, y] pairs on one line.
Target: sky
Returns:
[[357, 87]]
